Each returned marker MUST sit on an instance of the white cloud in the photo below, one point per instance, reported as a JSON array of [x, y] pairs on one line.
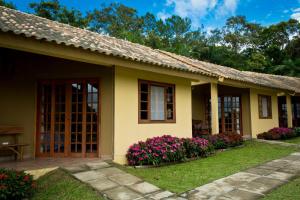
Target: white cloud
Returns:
[[198, 9], [163, 15], [296, 14], [297, 10], [228, 7], [285, 11]]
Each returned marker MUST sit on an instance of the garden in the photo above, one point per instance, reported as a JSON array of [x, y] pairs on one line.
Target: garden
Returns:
[[166, 161], [58, 184], [291, 135]]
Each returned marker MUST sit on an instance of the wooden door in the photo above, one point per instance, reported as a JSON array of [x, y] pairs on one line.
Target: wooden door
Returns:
[[230, 114], [68, 118], [282, 112]]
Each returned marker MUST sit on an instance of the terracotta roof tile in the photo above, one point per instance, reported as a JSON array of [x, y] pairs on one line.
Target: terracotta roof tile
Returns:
[[43, 29]]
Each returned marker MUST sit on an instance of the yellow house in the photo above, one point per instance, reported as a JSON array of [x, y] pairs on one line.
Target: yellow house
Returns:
[[80, 94]]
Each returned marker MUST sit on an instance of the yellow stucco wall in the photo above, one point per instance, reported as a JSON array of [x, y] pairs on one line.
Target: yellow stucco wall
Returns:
[[127, 129], [261, 125], [18, 99]]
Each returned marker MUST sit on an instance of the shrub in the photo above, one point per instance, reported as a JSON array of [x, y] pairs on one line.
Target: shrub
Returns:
[[297, 131], [223, 141], [15, 184], [157, 150], [278, 134], [197, 147]]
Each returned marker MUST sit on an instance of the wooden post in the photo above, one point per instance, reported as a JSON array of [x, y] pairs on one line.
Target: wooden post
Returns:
[[214, 108], [289, 111]]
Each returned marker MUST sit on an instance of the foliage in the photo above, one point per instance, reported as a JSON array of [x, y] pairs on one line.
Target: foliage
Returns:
[[186, 176], [7, 4], [288, 191], [53, 10], [297, 131], [15, 185], [223, 141], [59, 184], [166, 149], [197, 147], [239, 43], [278, 134]]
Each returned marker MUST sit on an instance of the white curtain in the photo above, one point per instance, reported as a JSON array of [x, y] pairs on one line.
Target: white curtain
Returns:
[[157, 103], [264, 105]]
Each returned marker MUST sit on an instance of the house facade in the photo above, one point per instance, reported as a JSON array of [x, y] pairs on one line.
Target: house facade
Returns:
[[80, 94]]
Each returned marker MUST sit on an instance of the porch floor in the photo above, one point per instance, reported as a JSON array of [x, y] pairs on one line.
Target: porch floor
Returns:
[[41, 163]]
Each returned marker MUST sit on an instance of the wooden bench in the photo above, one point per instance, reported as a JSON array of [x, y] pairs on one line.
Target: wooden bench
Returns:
[[13, 146]]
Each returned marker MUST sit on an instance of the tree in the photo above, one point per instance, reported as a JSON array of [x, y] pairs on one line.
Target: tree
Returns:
[[54, 11], [7, 4], [239, 43], [117, 20]]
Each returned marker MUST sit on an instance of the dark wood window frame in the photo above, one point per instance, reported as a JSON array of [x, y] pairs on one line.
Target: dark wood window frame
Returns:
[[269, 106], [159, 84]]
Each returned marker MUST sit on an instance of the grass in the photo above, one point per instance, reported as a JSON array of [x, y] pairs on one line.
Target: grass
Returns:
[[58, 184], [186, 176], [295, 140], [290, 191]]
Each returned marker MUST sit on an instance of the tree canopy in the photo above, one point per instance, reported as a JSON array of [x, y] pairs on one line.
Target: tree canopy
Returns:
[[239, 43]]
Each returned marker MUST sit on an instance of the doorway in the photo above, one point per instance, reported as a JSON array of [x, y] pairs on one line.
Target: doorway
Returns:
[[68, 118], [230, 114]]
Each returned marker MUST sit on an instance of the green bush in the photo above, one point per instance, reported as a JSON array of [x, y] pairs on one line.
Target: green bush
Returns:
[[15, 185], [297, 131]]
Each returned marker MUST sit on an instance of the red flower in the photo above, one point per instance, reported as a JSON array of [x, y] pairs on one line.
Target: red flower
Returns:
[[3, 176], [26, 178]]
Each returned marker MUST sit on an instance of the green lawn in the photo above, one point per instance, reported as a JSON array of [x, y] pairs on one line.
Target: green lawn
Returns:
[[295, 140], [60, 185], [185, 176], [290, 191]]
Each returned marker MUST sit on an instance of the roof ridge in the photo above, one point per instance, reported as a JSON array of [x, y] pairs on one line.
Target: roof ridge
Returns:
[[74, 27], [39, 28], [190, 64]]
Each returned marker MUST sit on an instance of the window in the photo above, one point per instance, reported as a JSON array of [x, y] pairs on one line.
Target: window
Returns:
[[156, 102], [265, 107]]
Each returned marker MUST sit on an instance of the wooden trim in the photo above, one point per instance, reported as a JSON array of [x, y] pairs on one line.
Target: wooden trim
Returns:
[[38, 121], [99, 126], [83, 134], [52, 118], [68, 120], [154, 83], [223, 128], [68, 95], [269, 106]]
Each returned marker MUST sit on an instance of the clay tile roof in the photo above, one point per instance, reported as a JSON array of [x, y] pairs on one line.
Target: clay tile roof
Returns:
[[32, 26], [40, 28]]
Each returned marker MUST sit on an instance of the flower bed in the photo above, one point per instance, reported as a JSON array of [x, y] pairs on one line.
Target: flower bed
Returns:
[[279, 134], [223, 141], [15, 184], [166, 149]]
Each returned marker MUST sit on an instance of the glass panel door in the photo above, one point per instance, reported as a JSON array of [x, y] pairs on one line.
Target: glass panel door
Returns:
[[230, 114], [76, 117], [68, 118], [45, 119], [92, 117], [59, 123]]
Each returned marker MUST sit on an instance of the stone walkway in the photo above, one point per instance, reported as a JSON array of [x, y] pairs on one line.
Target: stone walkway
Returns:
[[281, 143], [116, 184], [253, 183]]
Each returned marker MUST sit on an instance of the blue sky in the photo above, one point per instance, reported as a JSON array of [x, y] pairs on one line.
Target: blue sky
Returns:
[[210, 13]]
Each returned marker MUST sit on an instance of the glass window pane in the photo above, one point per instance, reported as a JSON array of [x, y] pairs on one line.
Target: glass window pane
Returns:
[[157, 103], [264, 106]]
